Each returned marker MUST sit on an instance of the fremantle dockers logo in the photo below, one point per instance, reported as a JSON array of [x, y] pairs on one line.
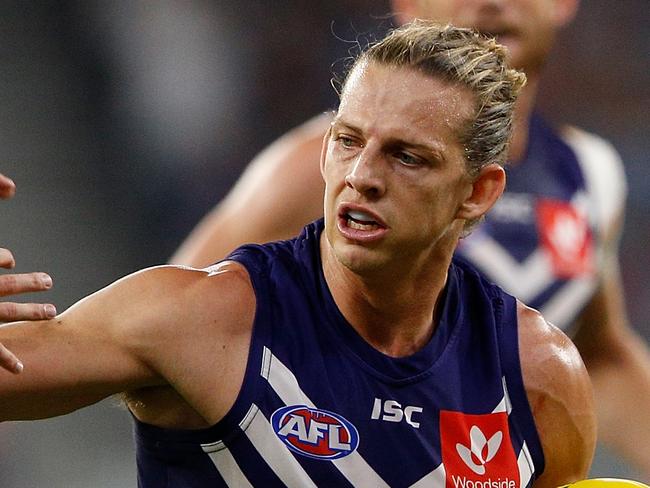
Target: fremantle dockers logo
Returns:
[[566, 237], [315, 433]]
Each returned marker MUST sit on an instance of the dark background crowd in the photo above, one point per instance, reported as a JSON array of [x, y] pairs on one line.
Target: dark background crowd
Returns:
[[123, 122]]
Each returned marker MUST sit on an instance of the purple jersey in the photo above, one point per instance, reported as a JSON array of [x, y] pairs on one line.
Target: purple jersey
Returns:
[[543, 241], [320, 407]]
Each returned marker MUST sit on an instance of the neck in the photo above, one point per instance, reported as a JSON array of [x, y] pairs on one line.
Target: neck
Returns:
[[523, 112], [395, 309]]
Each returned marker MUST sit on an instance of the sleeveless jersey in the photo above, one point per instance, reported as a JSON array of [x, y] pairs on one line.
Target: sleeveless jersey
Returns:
[[320, 407], [543, 239]]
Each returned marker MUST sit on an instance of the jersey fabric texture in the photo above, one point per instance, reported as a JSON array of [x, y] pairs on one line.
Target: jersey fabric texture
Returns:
[[543, 241], [320, 407]]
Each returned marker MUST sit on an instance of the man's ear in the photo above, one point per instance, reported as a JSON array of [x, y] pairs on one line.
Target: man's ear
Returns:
[[404, 10], [487, 187], [323, 151], [565, 11]]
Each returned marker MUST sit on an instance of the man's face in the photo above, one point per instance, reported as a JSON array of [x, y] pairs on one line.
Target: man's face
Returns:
[[394, 168], [526, 27]]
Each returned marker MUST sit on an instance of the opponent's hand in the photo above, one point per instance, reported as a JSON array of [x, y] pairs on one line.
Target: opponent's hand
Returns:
[[14, 284], [7, 187]]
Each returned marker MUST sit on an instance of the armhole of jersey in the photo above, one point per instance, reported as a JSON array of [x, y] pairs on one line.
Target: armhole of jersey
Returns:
[[233, 422], [514, 381], [261, 336], [604, 175]]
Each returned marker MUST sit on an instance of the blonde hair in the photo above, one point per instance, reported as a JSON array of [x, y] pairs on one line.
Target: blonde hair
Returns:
[[464, 57]]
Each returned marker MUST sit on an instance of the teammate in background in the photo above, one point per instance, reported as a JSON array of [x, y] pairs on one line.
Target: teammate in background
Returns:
[[14, 284], [298, 363], [551, 240]]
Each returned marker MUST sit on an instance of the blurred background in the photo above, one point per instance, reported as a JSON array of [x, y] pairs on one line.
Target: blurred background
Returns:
[[123, 122]]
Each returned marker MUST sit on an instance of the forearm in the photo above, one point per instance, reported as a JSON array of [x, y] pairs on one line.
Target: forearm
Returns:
[[80, 357], [49, 385]]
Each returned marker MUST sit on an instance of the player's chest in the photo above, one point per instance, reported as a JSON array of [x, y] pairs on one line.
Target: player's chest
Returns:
[[431, 434]]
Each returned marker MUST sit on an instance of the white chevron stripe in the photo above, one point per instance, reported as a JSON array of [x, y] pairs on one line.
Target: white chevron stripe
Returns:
[[285, 384], [501, 407], [525, 462], [276, 454], [505, 405], [604, 174], [435, 479], [525, 465], [227, 466], [523, 280], [506, 396], [562, 306]]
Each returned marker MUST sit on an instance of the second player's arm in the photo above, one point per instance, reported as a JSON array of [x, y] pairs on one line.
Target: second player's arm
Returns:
[[280, 192], [618, 361]]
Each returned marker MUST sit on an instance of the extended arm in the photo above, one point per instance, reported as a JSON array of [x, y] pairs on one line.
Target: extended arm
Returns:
[[561, 399], [74, 360], [148, 329], [280, 192]]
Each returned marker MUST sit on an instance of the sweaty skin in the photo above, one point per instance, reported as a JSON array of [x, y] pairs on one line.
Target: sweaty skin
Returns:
[[281, 191], [175, 339]]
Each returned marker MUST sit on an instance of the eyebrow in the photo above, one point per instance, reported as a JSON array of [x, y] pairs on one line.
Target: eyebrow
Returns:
[[337, 121]]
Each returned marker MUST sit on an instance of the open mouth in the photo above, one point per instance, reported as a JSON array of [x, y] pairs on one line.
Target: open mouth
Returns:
[[361, 221], [360, 226]]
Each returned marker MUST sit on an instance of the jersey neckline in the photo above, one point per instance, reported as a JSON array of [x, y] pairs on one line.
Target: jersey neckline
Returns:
[[401, 370]]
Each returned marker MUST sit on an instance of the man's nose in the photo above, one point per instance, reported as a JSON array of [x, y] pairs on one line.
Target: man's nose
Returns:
[[366, 174]]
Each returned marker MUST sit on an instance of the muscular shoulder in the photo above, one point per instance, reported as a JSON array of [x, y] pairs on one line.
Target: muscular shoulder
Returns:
[[164, 305], [560, 396], [190, 295]]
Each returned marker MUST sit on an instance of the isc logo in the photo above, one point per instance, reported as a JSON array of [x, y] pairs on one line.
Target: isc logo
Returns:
[[392, 411], [315, 433]]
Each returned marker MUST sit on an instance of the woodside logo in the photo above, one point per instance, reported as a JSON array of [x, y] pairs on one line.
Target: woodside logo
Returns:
[[462, 482], [477, 450]]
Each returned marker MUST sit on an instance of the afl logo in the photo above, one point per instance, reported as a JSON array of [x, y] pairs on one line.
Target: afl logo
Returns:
[[315, 433]]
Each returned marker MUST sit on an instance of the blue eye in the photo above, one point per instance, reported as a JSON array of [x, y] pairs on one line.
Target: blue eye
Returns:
[[346, 142], [408, 159]]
